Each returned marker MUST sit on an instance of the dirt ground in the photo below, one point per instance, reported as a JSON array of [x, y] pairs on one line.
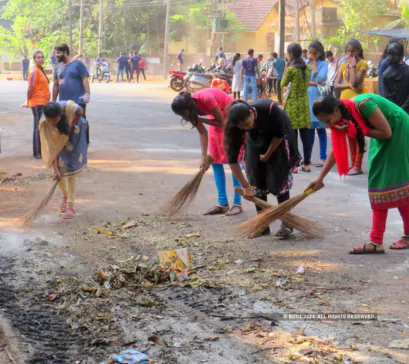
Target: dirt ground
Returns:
[[78, 291]]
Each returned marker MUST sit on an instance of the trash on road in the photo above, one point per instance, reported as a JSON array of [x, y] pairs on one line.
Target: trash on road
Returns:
[[129, 356]]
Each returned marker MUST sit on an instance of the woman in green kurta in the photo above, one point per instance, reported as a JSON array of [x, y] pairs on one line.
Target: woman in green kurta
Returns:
[[388, 178], [297, 79]]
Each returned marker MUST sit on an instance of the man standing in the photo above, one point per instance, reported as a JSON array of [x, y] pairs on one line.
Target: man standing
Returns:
[[249, 73], [53, 60], [279, 65], [25, 64], [134, 62], [219, 55], [122, 62], [71, 80], [128, 68], [179, 58], [332, 69]]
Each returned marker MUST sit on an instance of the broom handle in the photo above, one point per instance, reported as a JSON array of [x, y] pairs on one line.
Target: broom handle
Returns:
[[260, 203]]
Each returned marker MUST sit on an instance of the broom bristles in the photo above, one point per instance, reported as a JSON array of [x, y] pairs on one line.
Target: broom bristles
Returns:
[[259, 222], [30, 216], [187, 193], [291, 220]]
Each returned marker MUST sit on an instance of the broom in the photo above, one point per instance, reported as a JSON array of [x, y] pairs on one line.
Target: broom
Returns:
[[30, 216], [259, 222], [187, 193], [306, 226]]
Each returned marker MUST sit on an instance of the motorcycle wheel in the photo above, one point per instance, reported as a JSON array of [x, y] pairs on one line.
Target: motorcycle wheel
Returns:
[[176, 84]]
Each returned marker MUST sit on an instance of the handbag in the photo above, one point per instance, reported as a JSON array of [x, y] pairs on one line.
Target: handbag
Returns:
[[287, 91]]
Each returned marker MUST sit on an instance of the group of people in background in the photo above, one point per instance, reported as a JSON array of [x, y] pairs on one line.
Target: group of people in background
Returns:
[[130, 64]]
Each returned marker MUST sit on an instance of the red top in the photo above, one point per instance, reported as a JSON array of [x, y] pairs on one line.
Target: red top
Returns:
[[208, 98], [142, 63]]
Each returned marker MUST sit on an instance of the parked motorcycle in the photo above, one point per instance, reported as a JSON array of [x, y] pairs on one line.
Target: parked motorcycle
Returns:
[[177, 82], [372, 70], [103, 73]]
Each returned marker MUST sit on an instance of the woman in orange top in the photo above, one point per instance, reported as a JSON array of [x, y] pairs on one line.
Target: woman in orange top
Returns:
[[38, 94]]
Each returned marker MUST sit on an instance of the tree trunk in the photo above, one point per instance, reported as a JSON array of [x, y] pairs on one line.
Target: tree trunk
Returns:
[[313, 23], [282, 27]]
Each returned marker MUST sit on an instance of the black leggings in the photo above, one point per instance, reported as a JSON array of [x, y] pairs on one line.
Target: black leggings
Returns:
[[305, 144], [234, 95], [280, 199], [142, 70]]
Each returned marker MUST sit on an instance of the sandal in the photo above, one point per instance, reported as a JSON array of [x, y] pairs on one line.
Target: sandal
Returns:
[[234, 210], [217, 210], [284, 232], [354, 172], [69, 214], [305, 168], [63, 205], [399, 245], [362, 249], [266, 231], [320, 164]]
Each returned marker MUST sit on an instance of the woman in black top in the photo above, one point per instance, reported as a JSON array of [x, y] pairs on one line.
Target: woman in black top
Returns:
[[395, 78], [270, 155]]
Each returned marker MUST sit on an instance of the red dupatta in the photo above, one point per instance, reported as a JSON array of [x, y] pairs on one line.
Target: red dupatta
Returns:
[[339, 138]]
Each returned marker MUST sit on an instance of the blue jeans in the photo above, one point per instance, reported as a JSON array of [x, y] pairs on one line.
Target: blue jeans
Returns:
[[322, 136], [250, 81], [220, 180], [37, 111], [120, 71]]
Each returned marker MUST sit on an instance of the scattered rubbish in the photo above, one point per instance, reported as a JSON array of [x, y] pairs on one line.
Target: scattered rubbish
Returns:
[[212, 338], [399, 344], [189, 236], [178, 261], [177, 344], [300, 269], [250, 270], [53, 297], [106, 232], [280, 283], [102, 275], [239, 261], [257, 288], [306, 351], [157, 341], [130, 224], [395, 277], [396, 321], [129, 356], [100, 342]]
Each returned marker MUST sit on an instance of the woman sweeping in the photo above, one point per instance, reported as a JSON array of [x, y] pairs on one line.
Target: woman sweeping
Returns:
[[38, 94], [208, 106], [271, 151], [64, 148], [388, 177]]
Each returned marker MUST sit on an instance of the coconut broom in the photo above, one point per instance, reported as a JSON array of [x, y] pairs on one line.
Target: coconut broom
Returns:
[[301, 224], [259, 222], [30, 216], [187, 194]]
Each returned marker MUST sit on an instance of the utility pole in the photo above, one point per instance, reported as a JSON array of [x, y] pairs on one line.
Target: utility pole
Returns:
[[297, 22], [313, 23], [101, 14], [281, 11], [81, 27], [70, 23], [166, 43]]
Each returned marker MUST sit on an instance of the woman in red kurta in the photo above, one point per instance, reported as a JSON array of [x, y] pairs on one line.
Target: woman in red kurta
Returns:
[[208, 106]]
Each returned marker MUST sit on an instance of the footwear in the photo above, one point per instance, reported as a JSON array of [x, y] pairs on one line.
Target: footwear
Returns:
[[284, 232], [69, 214], [305, 168], [362, 249], [354, 172], [399, 245], [266, 231], [217, 210], [63, 205], [320, 164], [234, 210]]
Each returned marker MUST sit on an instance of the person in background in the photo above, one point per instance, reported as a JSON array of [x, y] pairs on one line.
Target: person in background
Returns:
[[71, 81], [128, 67], [259, 78], [305, 55], [237, 80], [25, 63], [87, 62], [249, 73], [134, 63], [298, 75], [122, 62], [53, 60], [38, 94], [350, 80], [271, 74], [396, 77], [318, 78], [279, 65], [220, 54], [179, 59], [337, 92], [98, 61], [142, 66], [332, 70], [384, 64]]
